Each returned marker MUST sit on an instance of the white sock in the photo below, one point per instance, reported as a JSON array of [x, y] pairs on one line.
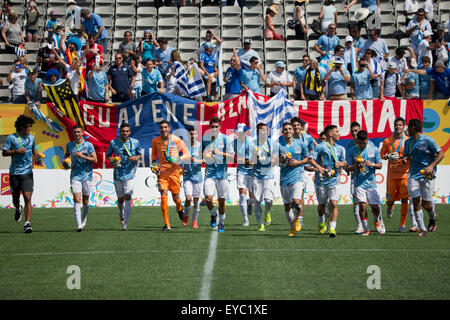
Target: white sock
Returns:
[[419, 220], [258, 212], [213, 212], [222, 218], [332, 224], [267, 206], [322, 219], [365, 224], [126, 211], [120, 205], [195, 213], [77, 212], [289, 216], [356, 213], [412, 214], [85, 214], [243, 206], [432, 213], [187, 211], [297, 213]]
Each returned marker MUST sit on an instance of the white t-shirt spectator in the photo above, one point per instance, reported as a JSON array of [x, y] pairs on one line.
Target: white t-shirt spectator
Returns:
[[423, 51], [18, 82], [429, 9], [274, 76], [410, 6], [390, 83], [74, 78], [401, 64]]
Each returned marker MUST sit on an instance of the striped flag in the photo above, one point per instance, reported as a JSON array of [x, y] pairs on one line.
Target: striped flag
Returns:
[[274, 112], [64, 99], [40, 116], [190, 85]]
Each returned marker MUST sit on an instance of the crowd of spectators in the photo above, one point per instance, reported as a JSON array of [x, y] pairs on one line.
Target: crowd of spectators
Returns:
[[360, 67]]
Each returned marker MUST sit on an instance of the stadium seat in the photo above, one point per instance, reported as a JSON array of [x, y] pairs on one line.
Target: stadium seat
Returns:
[[164, 12], [126, 11], [189, 12], [209, 12], [231, 11], [147, 12], [188, 34], [189, 22], [104, 11]]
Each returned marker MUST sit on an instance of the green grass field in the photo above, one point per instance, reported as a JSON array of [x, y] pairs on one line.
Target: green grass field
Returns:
[[145, 263]]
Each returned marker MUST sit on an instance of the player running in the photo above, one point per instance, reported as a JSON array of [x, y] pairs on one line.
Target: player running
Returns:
[[397, 174], [244, 172], [328, 158], [127, 152], [21, 147], [193, 179], [217, 152], [167, 153], [293, 155], [363, 159], [82, 156], [423, 154]]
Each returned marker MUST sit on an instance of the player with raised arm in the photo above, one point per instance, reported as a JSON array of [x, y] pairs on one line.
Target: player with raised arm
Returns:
[[423, 154], [21, 147], [124, 152], [328, 158], [168, 151], [82, 156], [217, 152], [293, 155], [363, 159], [193, 179]]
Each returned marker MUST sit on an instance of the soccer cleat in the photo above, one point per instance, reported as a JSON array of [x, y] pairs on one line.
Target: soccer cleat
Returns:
[[124, 227], [402, 229], [27, 228], [185, 221], [332, 233], [181, 214], [195, 224], [166, 228], [322, 228], [379, 225], [298, 225], [292, 232], [79, 229], [268, 218], [359, 230], [422, 233], [389, 213], [221, 228], [365, 233], [432, 225], [18, 215], [246, 223], [414, 229], [213, 221], [261, 228]]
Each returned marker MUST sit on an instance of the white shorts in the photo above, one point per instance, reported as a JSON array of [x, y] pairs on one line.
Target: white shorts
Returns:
[[221, 186], [304, 182], [421, 188], [244, 182], [367, 195], [124, 187], [326, 193], [192, 189], [289, 193], [263, 189], [83, 187], [352, 187]]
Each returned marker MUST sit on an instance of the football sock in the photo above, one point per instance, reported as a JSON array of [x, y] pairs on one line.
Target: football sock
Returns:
[[403, 214], [419, 220], [258, 212], [165, 210], [222, 218], [243, 205], [365, 224], [126, 211], [85, 213], [432, 213], [322, 219], [356, 213], [267, 206], [332, 224], [77, 212], [289, 216], [179, 206], [412, 214], [187, 211], [213, 212], [195, 213], [297, 213], [120, 205]]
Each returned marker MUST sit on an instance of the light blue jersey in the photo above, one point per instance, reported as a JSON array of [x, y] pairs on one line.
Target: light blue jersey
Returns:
[[20, 163], [263, 169], [326, 156], [131, 148], [364, 179], [421, 154], [298, 151], [216, 167], [81, 168], [242, 151], [193, 171]]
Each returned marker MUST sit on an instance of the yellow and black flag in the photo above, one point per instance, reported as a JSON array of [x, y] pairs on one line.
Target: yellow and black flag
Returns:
[[64, 99]]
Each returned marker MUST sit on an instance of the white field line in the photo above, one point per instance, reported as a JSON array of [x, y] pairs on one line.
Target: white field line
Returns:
[[209, 268]]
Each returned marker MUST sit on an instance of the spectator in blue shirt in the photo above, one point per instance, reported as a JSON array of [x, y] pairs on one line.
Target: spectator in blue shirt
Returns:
[[33, 89], [440, 79], [251, 78], [337, 79], [207, 63], [326, 43], [93, 24], [411, 84], [358, 41], [121, 79], [361, 88], [151, 78], [232, 78], [299, 74], [372, 5], [97, 84]]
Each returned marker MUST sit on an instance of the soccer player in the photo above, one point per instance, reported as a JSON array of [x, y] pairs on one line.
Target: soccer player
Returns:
[[21, 147], [167, 152], [127, 152], [217, 152], [299, 133], [244, 172], [397, 174], [328, 158], [363, 159], [423, 154], [264, 154], [193, 179], [355, 127], [82, 154], [293, 155]]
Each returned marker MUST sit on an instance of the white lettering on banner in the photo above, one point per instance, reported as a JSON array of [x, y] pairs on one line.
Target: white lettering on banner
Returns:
[[301, 104], [387, 114], [241, 104], [221, 111], [155, 111], [232, 114], [367, 112], [123, 116], [137, 114], [171, 112], [320, 117], [403, 109], [202, 116], [87, 122], [187, 114], [106, 123], [335, 116]]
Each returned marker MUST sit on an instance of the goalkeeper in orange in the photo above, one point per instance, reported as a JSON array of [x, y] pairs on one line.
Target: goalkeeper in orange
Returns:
[[167, 153], [397, 174]]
